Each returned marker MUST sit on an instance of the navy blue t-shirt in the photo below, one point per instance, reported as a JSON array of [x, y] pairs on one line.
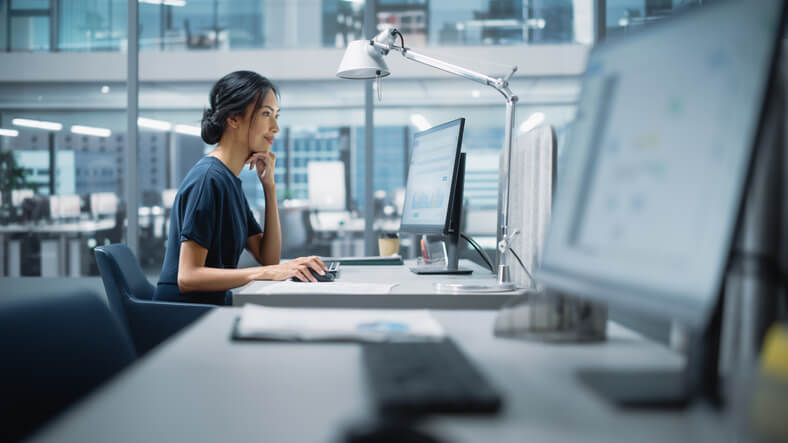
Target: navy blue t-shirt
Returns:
[[210, 208]]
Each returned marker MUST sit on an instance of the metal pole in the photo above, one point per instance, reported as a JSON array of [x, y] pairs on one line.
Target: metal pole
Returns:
[[370, 23], [504, 275], [132, 103]]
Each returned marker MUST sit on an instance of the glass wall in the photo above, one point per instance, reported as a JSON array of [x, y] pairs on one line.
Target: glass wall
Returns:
[[165, 25], [92, 25], [28, 25], [67, 194], [627, 14]]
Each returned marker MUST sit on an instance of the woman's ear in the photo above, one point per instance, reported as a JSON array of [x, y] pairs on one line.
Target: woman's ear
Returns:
[[233, 121]]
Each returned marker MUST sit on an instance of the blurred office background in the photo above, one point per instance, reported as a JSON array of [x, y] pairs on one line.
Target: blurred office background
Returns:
[[63, 110]]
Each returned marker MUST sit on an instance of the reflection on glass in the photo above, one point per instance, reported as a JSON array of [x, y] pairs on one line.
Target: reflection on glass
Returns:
[[625, 14], [29, 33], [492, 22], [92, 26], [29, 4]]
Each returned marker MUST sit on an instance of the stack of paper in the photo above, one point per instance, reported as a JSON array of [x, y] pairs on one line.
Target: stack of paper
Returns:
[[260, 322]]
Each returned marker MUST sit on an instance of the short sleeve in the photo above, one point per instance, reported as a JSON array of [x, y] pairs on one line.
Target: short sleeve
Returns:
[[199, 213], [252, 226]]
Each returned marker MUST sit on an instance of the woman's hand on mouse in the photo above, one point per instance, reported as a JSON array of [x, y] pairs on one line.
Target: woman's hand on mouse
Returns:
[[264, 163], [298, 268]]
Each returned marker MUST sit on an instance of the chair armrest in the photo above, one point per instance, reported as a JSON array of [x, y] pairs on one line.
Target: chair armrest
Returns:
[[152, 322]]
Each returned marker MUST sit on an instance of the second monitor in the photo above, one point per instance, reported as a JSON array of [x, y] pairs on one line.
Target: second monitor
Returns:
[[433, 198]]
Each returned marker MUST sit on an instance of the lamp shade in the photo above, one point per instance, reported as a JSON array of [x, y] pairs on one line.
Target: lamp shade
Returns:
[[362, 61]]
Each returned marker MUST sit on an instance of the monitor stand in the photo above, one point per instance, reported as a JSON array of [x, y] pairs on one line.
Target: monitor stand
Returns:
[[453, 235], [650, 388], [452, 244]]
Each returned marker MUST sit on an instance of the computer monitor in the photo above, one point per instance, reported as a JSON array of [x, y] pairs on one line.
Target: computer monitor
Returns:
[[103, 204], [433, 196], [19, 195], [657, 163]]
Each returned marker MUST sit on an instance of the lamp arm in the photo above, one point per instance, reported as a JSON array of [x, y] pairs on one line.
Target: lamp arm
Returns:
[[501, 85]]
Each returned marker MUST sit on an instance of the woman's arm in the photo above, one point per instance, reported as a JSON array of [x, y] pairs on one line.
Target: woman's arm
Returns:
[[193, 275], [267, 247]]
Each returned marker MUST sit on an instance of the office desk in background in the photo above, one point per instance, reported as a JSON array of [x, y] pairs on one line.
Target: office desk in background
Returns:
[[202, 387], [60, 255], [411, 292]]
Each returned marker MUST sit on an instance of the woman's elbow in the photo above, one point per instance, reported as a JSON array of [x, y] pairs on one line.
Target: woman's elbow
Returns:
[[184, 282]]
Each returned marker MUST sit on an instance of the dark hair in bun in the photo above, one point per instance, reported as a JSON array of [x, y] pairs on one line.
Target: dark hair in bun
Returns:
[[229, 97]]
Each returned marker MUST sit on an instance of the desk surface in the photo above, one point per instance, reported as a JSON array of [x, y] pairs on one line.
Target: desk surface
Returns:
[[202, 387], [59, 228], [412, 291]]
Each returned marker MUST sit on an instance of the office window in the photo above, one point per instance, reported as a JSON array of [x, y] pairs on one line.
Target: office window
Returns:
[[92, 25], [496, 22], [29, 32], [29, 4], [627, 14], [342, 22]]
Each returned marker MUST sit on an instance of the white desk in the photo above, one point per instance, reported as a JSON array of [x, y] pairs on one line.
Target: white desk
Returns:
[[202, 387], [412, 291], [53, 251]]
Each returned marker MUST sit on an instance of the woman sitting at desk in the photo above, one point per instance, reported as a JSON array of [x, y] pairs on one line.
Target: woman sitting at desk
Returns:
[[211, 221]]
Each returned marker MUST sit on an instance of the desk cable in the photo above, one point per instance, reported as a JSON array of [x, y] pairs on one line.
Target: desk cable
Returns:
[[481, 252]]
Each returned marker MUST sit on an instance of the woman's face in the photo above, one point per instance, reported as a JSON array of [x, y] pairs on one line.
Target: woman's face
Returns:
[[264, 126]]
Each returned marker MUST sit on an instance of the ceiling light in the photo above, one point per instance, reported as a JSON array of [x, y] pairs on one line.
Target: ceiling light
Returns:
[[420, 122], [536, 119], [150, 123], [9, 132], [188, 130], [50, 126], [89, 130]]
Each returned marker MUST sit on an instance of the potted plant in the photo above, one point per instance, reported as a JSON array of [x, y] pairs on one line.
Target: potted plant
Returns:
[[12, 176]]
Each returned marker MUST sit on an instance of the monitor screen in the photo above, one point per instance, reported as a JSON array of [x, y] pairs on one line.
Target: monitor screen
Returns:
[[654, 172], [431, 178]]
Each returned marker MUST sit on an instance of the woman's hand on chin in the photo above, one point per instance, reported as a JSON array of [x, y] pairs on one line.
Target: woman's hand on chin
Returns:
[[264, 163]]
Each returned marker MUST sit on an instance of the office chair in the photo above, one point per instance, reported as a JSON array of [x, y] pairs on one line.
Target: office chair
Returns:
[[130, 296], [55, 349]]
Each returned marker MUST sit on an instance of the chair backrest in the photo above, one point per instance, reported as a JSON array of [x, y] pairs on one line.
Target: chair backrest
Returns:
[[125, 269], [55, 349], [532, 183], [122, 278]]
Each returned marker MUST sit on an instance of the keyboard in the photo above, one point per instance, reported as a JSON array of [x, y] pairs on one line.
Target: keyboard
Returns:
[[417, 378]]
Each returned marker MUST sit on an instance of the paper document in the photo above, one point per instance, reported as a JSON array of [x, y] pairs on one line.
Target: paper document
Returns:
[[293, 287], [263, 322]]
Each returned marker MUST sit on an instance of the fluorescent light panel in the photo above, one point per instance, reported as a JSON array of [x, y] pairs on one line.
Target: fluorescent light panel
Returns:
[[9, 132], [50, 126], [165, 2], [89, 130], [154, 124], [188, 130]]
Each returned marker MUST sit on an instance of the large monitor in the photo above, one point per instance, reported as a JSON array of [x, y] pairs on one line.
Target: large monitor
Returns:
[[432, 179], [433, 197], [656, 166]]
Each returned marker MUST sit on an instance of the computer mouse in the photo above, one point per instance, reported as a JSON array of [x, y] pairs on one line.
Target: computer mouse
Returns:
[[385, 432], [327, 277]]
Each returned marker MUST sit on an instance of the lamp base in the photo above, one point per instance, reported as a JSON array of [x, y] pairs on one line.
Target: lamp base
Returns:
[[472, 288]]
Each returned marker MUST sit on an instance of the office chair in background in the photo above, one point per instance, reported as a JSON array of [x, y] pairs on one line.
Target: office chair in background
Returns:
[[130, 296], [55, 349]]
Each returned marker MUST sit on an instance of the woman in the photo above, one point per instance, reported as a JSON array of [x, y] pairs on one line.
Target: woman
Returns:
[[211, 221]]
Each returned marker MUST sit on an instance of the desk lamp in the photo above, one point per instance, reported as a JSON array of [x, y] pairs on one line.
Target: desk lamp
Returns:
[[363, 60]]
